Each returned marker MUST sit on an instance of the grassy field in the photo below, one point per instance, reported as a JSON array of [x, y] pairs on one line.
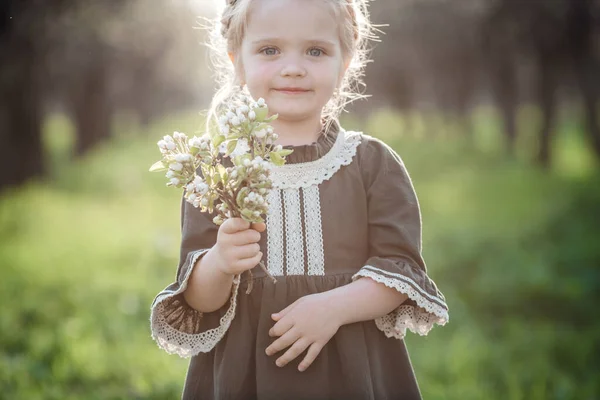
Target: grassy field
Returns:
[[514, 249]]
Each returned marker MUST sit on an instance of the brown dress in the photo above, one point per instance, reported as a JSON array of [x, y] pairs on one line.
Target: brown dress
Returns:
[[344, 209]]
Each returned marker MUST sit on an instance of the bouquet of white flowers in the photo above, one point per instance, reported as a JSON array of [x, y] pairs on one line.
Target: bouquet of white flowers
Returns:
[[226, 172]]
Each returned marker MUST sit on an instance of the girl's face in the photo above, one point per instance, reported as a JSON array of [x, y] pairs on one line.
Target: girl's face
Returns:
[[291, 56]]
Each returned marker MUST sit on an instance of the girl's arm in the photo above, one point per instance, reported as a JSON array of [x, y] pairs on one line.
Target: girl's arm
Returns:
[[209, 288], [363, 300]]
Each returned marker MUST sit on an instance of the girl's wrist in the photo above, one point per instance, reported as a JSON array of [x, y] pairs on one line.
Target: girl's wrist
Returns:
[[213, 262]]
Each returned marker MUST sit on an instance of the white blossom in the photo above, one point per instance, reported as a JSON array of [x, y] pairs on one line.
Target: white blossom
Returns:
[[235, 121], [251, 115], [174, 181], [224, 129], [179, 135], [278, 148], [171, 146], [168, 139], [170, 174], [260, 133], [181, 158], [261, 102], [229, 115], [242, 147], [193, 197], [176, 166]]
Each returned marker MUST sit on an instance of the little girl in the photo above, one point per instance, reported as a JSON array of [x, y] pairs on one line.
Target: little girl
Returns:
[[342, 236]]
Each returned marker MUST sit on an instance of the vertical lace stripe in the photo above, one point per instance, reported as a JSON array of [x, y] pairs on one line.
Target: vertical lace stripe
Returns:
[[293, 232], [275, 234], [314, 230]]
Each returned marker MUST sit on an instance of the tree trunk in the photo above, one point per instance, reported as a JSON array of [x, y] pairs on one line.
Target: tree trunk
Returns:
[[547, 101], [91, 107]]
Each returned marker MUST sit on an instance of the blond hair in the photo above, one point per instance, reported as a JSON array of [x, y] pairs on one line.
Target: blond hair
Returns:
[[227, 34]]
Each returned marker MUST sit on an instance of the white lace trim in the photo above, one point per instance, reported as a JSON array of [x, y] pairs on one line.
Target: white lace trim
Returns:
[[314, 231], [184, 344], [295, 176], [419, 320], [275, 234], [294, 236]]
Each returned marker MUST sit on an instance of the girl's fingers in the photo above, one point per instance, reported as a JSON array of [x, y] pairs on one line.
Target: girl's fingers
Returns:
[[249, 263], [313, 351], [280, 314], [297, 348], [247, 251], [281, 327], [259, 226], [233, 225], [283, 342], [244, 237]]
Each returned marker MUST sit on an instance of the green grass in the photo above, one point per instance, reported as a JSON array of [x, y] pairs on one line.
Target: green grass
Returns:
[[514, 250]]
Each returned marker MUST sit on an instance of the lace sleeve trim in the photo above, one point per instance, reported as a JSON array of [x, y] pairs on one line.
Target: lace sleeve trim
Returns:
[[302, 175], [175, 341], [419, 319]]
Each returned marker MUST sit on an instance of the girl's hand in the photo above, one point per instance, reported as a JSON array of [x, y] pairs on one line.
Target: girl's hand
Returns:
[[237, 248], [308, 323]]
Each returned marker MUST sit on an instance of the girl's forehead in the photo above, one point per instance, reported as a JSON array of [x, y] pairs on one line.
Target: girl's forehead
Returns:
[[291, 19]]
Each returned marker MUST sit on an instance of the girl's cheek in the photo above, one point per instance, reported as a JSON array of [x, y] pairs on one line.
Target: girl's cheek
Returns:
[[262, 71]]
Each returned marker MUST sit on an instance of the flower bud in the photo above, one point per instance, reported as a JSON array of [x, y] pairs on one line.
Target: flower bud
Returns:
[[235, 121], [260, 102], [251, 115], [174, 181], [170, 174], [176, 166], [260, 133], [171, 146]]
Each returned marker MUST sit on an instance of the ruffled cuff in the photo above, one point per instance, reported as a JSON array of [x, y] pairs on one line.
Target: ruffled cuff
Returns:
[[424, 308], [179, 329]]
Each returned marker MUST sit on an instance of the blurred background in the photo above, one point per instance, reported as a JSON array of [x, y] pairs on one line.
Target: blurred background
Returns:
[[493, 105]]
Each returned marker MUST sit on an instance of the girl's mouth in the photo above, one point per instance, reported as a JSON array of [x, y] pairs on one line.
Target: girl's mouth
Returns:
[[292, 90]]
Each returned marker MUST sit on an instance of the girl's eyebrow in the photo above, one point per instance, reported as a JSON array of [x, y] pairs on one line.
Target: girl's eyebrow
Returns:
[[324, 43]]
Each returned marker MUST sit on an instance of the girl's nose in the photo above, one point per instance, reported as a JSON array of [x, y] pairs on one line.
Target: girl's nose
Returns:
[[293, 68]]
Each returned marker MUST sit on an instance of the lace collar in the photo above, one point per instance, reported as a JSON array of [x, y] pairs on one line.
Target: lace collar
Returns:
[[305, 174]]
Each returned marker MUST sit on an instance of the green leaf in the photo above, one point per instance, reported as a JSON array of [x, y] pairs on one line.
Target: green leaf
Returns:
[[261, 113], [217, 140], [248, 214], [158, 166], [285, 152], [231, 146], [222, 173], [272, 118], [276, 159]]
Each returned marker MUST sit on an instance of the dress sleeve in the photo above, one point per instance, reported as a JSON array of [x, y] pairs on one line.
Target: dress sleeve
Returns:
[[176, 327], [395, 244]]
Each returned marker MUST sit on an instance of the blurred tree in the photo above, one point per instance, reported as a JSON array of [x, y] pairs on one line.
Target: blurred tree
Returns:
[[558, 37], [20, 109], [91, 60]]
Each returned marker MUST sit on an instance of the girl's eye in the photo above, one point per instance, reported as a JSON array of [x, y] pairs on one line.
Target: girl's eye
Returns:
[[315, 52], [269, 51]]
